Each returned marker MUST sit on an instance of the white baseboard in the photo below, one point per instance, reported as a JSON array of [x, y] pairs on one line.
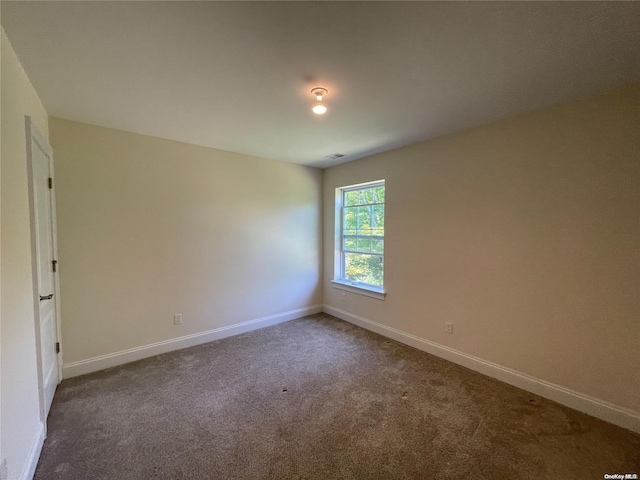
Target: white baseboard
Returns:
[[131, 355], [29, 468], [584, 403]]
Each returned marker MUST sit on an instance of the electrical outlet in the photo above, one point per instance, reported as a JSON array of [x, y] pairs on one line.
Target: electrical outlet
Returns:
[[449, 326], [177, 319]]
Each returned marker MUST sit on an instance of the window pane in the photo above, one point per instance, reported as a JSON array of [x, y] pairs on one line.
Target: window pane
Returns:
[[363, 268], [364, 245], [350, 244], [379, 194], [366, 196], [364, 220], [377, 246], [350, 221], [378, 216], [350, 198]]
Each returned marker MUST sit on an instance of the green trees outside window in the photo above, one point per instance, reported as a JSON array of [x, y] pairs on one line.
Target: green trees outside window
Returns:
[[363, 234]]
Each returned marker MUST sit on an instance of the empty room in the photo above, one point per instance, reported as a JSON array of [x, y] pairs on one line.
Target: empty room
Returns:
[[320, 240]]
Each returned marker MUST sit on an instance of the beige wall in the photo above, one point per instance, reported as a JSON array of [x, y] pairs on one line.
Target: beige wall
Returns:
[[20, 407], [525, 234], [150, 227]]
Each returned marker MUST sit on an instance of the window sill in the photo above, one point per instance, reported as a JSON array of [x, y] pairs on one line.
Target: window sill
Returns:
[[365, 290]]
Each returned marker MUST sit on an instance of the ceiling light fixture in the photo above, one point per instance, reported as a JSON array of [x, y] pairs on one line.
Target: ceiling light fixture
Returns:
[[319, 108]]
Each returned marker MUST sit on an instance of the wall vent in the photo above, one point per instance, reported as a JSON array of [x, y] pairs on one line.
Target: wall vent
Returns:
[[334, 156]]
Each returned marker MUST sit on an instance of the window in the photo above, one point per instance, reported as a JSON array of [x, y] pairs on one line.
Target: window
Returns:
[[360, 237]]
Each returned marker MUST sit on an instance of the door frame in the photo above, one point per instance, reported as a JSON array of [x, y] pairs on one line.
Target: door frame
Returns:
[[33, 136]]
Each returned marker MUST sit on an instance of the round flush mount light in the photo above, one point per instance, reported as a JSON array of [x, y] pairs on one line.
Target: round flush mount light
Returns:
[[319, 108]]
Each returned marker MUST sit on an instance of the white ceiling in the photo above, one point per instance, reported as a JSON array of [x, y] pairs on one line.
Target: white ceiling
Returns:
[[237, 75]]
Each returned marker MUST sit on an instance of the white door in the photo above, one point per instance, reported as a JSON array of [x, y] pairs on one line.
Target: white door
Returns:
[[44, 223]]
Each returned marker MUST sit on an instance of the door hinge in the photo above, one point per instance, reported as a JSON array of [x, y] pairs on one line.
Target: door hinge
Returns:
[[57, 347], [50, 183], [54, 263]]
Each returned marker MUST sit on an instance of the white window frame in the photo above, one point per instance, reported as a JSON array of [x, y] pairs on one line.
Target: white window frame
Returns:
[[339, 280]]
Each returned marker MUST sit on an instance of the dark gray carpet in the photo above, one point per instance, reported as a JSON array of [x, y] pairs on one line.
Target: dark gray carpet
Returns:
[[318, 398]]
